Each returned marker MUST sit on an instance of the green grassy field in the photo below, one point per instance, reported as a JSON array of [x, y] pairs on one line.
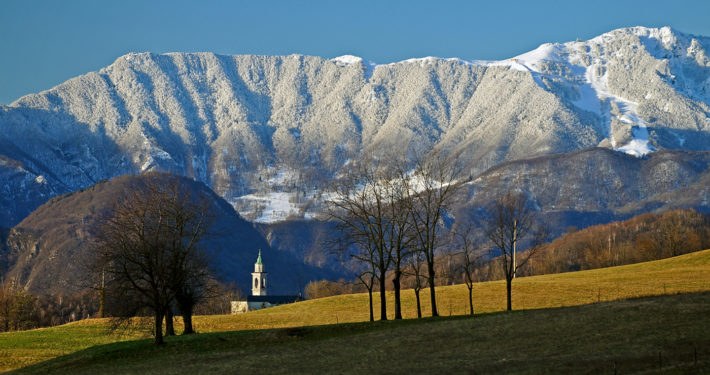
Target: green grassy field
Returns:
[[631, 333]]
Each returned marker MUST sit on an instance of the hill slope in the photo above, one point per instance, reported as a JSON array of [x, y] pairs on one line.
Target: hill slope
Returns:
[[684, 274], [635, 336], [46, 249], [597, 185]]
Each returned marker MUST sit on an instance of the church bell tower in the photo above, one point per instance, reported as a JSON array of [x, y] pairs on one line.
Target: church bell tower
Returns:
[[258, 277]]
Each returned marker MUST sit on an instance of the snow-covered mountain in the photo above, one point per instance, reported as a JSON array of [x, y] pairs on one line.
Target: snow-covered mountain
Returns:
[[267, 132]]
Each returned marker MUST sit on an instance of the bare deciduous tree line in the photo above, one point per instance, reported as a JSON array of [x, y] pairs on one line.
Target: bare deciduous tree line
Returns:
[[517, 239], [22, 310], [390, 215], [642, 238]]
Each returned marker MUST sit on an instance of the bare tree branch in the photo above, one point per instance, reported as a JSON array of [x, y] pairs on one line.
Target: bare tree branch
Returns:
[[512, 222], [148, 247]]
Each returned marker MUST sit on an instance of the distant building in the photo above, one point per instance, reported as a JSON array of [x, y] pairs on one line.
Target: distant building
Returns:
[[258, 278], [258, 298]]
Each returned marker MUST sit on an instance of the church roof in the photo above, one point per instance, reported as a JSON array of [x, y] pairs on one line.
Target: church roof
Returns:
[[274, 299], [258, 259]]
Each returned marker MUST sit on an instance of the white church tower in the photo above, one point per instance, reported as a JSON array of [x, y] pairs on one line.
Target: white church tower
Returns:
[[258, 298], [258, 278]]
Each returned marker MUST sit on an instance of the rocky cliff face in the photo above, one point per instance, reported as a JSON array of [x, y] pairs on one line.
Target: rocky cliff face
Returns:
[[267, 133]]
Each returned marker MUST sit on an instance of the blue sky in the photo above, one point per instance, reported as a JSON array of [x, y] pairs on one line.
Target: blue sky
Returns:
[[44, 43]]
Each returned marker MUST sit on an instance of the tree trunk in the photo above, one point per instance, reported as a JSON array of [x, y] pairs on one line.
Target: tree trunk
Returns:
[[397, 301], [102, 294], [419, 306], [515, 241], [169, 327], [372, 315], [432, 291], [383, 299], [102, 302], [187, 320], [6, 313], [470, 298], [509, 286], [158, 327], [185, 305]]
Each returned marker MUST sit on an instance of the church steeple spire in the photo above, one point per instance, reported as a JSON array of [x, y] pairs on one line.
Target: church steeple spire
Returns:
[[258, 278]]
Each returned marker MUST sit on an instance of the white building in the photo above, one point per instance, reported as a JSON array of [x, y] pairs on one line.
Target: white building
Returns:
[[258, 277], [258, 298]]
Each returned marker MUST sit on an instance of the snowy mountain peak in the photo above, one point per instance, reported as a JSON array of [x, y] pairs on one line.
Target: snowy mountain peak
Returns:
[[244, 123], [348, 59], [584, 66], [664, 34]]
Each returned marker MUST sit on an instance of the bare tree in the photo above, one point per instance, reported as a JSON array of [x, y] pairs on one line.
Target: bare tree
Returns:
[[23, 313], [470, 258], [415, 268], [101, 287], [148, 245], [447, 267], [126, 248], [673, 237], [195, 287], [362, 209], [7, 301], [399, 233], [219, 299], [327, 288], [191, 262], [513, 221], [169, 321], [367, 278], [344, 246], [432, 188], [396, 211], [299, 280]]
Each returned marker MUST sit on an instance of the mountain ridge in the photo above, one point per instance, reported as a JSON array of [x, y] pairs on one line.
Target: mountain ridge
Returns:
[[267, 132]]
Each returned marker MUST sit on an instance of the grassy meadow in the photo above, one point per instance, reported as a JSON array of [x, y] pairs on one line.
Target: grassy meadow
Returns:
[[645, 335], [629, 332]]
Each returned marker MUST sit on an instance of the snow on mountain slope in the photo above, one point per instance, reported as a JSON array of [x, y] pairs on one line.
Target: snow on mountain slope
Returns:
[[586, 63], [237, 123]]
